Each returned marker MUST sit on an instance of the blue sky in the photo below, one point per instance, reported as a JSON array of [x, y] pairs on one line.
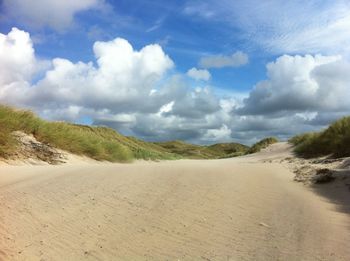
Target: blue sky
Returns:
[[257, 65]]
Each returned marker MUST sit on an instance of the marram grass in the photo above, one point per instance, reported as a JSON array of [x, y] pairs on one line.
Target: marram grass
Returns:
[[333, 141]]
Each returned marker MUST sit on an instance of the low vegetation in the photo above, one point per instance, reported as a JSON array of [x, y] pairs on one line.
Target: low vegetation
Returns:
[[229, 150], [262, 144], [216, 151], [333, 141]]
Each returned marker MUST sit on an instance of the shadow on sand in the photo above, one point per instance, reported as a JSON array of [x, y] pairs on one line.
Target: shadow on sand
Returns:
[[337, 191]]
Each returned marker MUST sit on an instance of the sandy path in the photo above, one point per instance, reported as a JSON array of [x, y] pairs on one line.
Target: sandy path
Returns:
[[183, 210]]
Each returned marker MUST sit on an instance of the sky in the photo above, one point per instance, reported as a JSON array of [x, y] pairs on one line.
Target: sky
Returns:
[[201, 71]]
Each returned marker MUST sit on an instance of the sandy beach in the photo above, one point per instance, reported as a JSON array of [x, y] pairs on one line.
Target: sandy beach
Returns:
[[230, 209]]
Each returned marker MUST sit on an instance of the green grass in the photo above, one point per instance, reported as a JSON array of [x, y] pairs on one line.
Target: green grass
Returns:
[[262, 144], [333, 141]]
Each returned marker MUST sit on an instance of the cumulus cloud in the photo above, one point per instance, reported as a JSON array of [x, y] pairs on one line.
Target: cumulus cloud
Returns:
[[16, 56], [300, 94], [199, 74], [301, 83], [131, 90], [56, 14], [121, 77], [18, 65], [120, 82], [218, 61], [196, 104], [221, 134]]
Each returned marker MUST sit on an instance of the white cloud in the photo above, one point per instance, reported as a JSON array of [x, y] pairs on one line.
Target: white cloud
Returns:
[[123, 76], [16, 56], [125, 88], [218, 135], [18, 65], [121, 81], [196, 104], [57, 14], [218, 61], [117, 59], [301, 83], [199, 74], [166, 108]]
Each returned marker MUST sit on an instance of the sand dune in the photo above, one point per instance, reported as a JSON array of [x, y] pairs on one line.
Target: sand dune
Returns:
[[232, 209]]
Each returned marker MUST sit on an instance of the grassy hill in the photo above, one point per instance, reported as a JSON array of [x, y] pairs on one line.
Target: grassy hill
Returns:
[[227, 150], [101, 143], [220, 150], [333, 141]]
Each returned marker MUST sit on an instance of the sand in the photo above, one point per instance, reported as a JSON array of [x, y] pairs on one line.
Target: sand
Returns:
[[231, 209]]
